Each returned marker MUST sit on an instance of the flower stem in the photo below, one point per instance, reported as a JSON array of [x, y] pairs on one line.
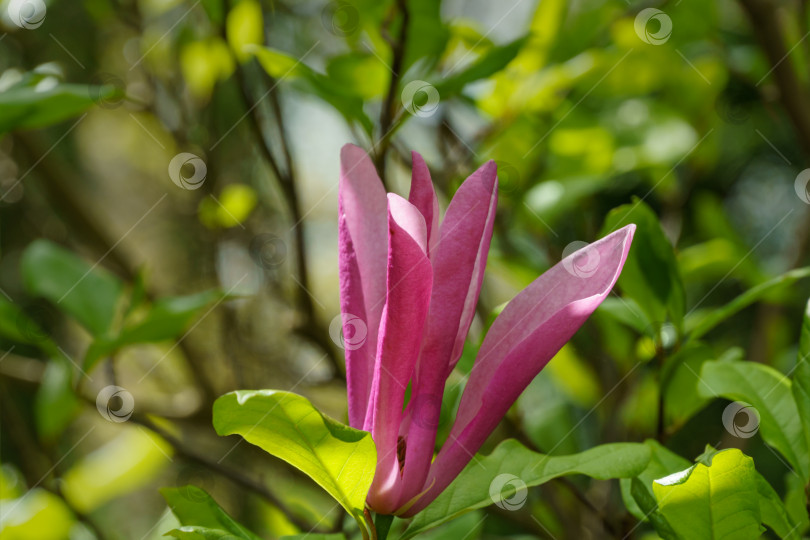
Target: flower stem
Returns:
[[382, 523]]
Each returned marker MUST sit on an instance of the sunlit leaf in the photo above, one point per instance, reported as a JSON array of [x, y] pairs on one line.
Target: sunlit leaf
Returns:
[[712, 503], [340, 459], [38, 514], [244, 26]]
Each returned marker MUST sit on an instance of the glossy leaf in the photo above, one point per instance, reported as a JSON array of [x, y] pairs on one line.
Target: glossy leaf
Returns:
[[471, 489], [712, 503], [86, 292], [340, 459], [769, 392]]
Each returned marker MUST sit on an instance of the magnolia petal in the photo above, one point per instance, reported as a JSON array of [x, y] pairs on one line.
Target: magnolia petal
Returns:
[[362, 244], [458, 264], [423, 197], [524, 337], [409, 281]]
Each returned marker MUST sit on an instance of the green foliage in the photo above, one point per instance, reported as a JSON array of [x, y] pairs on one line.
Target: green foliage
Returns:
[[202, 517], [712, 502], [472, 488], [86, 292], [340, 459]]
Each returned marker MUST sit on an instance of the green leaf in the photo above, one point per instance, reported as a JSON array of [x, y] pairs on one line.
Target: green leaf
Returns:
[[801, 377], [662, 463], [281, 65], [87, 293], [25, 107], [195, 508], [471, 489], [427, 35], [487, 65], [202, 533], [650, 275], [698, 325], [244, 26], [769, 392], [314, 536], [342, 460], [19, 327], [712, 503], [56, 404]]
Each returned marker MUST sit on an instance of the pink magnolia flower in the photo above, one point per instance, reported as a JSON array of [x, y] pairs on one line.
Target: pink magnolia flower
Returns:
[[408, 291]]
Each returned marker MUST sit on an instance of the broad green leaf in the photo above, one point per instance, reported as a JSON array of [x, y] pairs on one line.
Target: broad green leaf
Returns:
[[769, 392], [25, 107], [698, 325], [662, 463], [471, 489], [340, 459], [427, 34], [488, 64], [197, 510], [363, 74], [650, 275], [56, 404], [314, 536], [86, 292], [713, 503], [280, 65], [244, 26], [801, 376]]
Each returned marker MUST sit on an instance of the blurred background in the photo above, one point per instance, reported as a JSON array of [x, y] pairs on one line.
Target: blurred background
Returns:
[[168, 208]]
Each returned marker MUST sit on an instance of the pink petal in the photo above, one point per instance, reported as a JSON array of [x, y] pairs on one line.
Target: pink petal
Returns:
[[526, 335], [423, 197], [459, 262], [362, 241], [409, 282]]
